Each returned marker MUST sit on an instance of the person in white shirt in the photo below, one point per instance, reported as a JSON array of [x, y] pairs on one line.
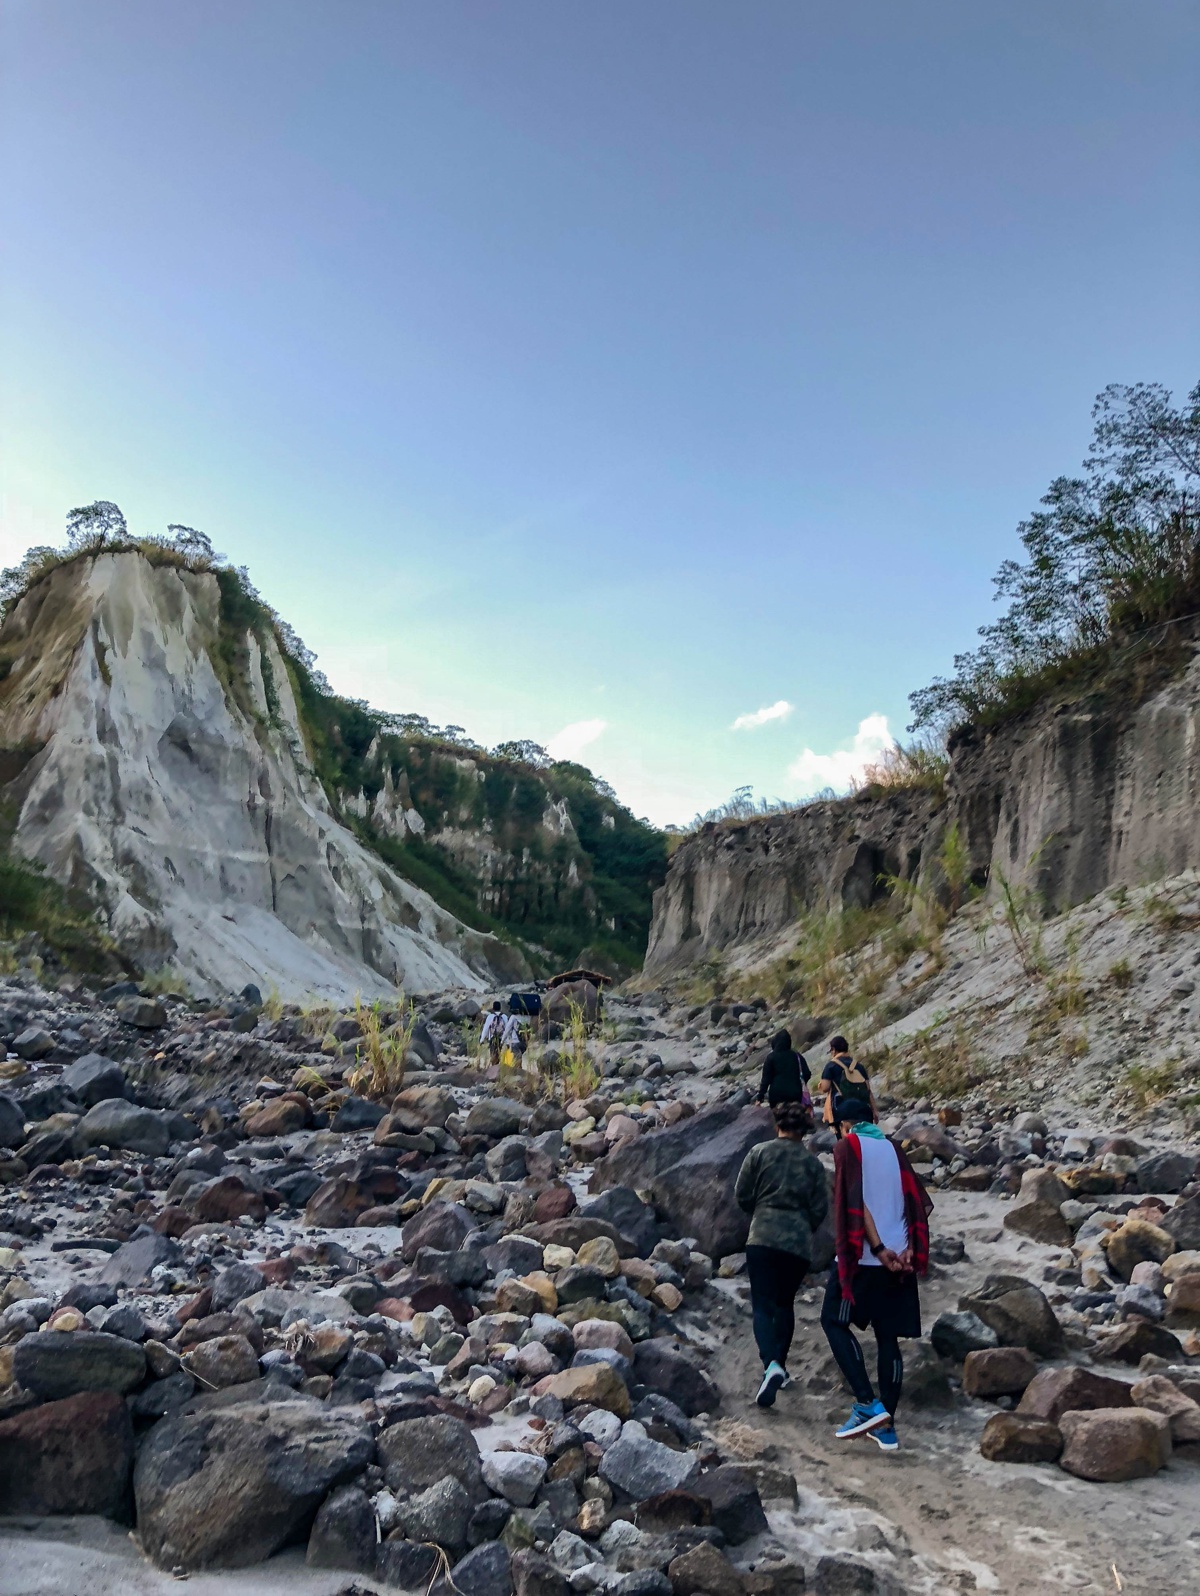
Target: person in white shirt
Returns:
[[493, 1033]]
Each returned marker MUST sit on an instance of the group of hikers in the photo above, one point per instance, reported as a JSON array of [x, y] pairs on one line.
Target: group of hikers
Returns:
[[503, 1033], [880, 1224]]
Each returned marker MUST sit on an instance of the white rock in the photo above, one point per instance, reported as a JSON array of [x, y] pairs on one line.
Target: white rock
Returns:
[[514, 1475]]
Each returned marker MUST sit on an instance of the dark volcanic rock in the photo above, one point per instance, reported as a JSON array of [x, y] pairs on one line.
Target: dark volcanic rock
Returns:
[[71, 1456], [226, 1487], [55, 1363], [131, 1264], [631, 1216], [93, 1078], [343, 1534], [417, 1453], [657, 1365]]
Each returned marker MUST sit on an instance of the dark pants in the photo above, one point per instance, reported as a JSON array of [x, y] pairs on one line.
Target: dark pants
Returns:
[[775, 1278], [885, 1302]]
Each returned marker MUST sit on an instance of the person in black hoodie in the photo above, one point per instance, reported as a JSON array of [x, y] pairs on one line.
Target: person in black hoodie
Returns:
[[785, 1074]]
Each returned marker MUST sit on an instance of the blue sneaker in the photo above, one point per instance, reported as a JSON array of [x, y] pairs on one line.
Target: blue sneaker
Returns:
[[864, 1416], [885, 1437], [773, 1381]]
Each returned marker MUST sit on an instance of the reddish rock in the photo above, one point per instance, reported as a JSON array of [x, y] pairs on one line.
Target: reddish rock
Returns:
[[172, 1221], [1137, 1338], [556, 1202], [280, 1117], [73, 1456], [227, 1198], [1115, 1444], [1015, 1438], [223, 1361], [998, 1371], [336, 1204], [1054, 1392], [394, 1308], [378, 1216], [1183, 1304], [277, 1271], [1164, 1396], [195, 1307]]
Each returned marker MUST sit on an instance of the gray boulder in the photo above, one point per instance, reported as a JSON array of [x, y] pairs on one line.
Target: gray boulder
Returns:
[[440, 1513], [1166, 1172], [1018, 1312], [93, 1078], [690, 1174], [343, 1533], [641, 1467], [626, 1211], [1183, 1222], [12, 1122], [506, 1161], [33, 1043], [674, 1376], [441, 1225], [132, 1262], [495, 1117], [486, 1571], [417, 1453], [514, 1475], [356, 1114], [115, 1123], [954, 1335], [58, 1363], [229, 1486]]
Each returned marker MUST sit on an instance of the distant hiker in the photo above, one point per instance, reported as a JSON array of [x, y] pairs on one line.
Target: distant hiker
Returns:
[[881, 1226], [493, 1033], [785, 1073], [842, 1077], [784, 1190], [512, 1039]]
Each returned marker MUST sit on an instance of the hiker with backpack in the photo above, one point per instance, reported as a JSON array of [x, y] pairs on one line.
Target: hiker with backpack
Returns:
[[784, 1190], [492, 1033], [785, 1073], [881, 1230], [843, 1078]]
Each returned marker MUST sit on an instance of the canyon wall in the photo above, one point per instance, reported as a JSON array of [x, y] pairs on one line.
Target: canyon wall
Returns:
[[1074, 796]]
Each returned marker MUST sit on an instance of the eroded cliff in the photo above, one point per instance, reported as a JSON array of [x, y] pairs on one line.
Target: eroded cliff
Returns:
[[155, 759]]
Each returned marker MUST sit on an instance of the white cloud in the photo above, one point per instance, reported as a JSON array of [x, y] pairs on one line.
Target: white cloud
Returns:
[[573, 739], [814, 772], [760, 717]]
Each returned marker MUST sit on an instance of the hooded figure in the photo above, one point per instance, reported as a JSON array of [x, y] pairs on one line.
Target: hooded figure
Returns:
[[784, 1073]]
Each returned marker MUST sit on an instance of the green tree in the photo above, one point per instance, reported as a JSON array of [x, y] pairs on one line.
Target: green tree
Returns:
[[1110, 552]]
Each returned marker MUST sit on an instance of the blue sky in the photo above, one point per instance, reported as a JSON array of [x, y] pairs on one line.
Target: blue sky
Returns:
[[627, 368]]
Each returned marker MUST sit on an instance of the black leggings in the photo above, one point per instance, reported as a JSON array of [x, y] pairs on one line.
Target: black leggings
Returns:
[[775, 1278], [848, 1355]]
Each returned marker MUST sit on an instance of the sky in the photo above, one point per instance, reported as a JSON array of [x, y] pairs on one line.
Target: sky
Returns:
[[663, 382]]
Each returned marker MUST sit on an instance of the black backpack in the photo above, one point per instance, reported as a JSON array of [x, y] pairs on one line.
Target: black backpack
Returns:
[[854, 1082]]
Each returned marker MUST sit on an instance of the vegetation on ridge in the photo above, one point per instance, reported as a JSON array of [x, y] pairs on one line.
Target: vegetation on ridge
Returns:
[[1111, 553]]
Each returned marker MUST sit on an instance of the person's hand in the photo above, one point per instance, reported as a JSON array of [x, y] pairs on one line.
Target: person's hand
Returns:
[[890, 1260], [905, 1260]]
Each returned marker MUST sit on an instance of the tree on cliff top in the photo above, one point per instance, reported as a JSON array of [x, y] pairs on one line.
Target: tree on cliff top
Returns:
[[1111, 552]]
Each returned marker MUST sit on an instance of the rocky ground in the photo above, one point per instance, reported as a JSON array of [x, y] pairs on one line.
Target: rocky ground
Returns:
[[492, 1335]]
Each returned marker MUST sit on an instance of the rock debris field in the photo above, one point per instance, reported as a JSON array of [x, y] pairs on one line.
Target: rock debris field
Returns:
[[485, 1336]]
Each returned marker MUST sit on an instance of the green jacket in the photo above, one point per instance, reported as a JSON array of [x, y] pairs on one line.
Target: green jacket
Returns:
[[784, 1189]]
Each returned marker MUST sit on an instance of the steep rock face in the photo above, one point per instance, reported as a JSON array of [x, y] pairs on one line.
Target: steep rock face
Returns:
[[1069, 799], [733, 884], [1081, 796], [159, 764]]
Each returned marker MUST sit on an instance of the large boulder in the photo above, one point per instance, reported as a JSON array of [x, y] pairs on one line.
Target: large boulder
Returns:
[[495, 1117], [625, 1210], [1183, 1224], [229, 1486], [1164, 1396], [1053, 1392], [12, 1121], [93, 1078], [59, 1363], [1166, 1172], [417, 1453], [1018, 1312], [344, 1533], [133, 1262], [660, 1367], [694, 1188], [71, 1456], [1137, 1241], [642, 1467], [1016, 1438], [1115, 1443], [998, 1371], [441, 1225], [638, 1163], [116, 1123]]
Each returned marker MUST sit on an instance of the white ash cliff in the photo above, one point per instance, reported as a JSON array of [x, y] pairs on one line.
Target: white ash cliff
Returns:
[[153, 757]]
